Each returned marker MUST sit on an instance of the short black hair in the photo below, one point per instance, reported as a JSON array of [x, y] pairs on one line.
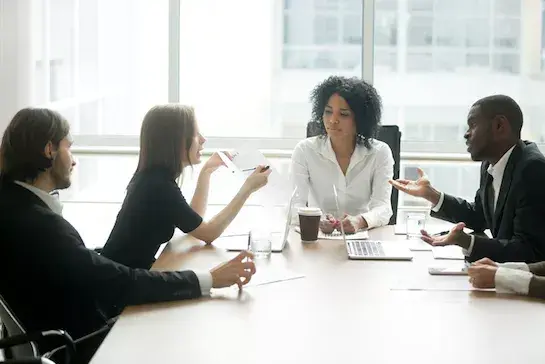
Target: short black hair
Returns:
[[494, 105], [362, 98], [22, 150]]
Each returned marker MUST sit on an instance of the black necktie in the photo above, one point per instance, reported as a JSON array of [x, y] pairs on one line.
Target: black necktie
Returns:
[[489, 194]]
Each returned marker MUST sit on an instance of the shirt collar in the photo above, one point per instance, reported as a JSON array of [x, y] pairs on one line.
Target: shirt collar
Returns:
[[51, 201], [497, 169], [326, 149]]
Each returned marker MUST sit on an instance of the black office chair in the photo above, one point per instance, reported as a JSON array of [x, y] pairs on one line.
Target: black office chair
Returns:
[[390, 135], [18, 346]]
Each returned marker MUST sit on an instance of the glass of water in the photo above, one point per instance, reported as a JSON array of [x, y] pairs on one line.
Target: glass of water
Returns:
[[415, 221], [260, 243]]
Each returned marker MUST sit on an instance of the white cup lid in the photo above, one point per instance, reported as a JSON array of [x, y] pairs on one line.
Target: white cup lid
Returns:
[[310, 211]]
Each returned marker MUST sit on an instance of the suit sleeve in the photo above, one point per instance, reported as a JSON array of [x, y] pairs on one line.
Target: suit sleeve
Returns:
[[528, 241], [78, 269], [537, 268], [537, 287]]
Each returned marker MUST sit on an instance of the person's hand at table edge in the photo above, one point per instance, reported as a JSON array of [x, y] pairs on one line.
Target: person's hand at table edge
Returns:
[[235, 271]]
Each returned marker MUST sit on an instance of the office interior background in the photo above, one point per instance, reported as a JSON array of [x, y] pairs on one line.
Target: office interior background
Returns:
[[248, 68]]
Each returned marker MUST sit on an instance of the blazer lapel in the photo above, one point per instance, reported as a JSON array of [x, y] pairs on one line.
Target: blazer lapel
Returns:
[[506, 184]]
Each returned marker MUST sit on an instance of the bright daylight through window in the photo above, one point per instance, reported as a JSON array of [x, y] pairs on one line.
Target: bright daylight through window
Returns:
[[248, 67]]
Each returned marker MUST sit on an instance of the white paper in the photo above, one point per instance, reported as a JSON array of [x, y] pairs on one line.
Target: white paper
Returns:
[[448, 252], [267, 275]]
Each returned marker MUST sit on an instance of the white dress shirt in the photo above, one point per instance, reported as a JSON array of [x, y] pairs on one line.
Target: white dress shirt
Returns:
[[364, 190], [205, 278], [513, 278], [496, 171]]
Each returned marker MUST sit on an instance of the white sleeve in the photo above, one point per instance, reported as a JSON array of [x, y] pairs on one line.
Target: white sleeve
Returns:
[[512, 281], [205, 282], [437, 207], [300, 178], [380, 206]]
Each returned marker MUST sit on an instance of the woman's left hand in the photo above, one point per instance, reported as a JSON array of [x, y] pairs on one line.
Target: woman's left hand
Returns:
[[214, 162], [351, 224]]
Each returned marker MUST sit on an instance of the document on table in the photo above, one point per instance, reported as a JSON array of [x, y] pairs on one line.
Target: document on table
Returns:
[[270, 274], [336, 235], [448, 252]]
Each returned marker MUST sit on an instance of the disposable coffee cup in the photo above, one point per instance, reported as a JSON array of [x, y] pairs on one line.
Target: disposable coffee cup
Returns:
[[309, 223]]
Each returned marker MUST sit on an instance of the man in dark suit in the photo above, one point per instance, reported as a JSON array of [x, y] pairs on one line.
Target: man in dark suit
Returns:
[[48, 277], [511, 198]]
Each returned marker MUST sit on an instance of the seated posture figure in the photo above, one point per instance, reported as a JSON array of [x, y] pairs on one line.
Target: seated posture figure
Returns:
[[346, 113], [49, 278], [510, 200], [154, 205]]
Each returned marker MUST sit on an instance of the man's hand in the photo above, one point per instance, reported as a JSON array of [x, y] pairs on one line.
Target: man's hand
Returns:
[[351, 224], [235, 271], [486, 261], [419, 188], [482, 276], [456, 236]]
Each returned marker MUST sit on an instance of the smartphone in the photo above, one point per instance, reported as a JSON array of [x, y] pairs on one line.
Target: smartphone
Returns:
[[448, 271]]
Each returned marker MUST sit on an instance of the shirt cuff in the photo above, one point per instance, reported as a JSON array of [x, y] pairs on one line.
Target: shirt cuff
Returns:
[[205, 282], [467, 252], [512, 281], [370, 219], [515, 265], [437, 207]]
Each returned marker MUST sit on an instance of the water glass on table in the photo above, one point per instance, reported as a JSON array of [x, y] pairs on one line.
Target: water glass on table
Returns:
[[415, 222], [260, 243]]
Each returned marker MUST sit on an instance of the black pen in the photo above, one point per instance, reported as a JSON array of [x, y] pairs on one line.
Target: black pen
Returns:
[[441, 233], [253, 169]]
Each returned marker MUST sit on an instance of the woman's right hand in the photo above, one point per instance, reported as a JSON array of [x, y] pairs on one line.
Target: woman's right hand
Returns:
[[328, 224], [257, 179]]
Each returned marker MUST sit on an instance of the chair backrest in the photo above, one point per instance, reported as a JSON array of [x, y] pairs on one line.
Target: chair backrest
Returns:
[[13, 327], [390, 135]]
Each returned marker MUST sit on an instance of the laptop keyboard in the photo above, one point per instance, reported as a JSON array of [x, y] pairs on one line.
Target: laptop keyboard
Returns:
[[365, 248]]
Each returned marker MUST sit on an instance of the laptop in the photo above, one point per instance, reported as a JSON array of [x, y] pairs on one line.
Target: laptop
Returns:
[[373, 249], [242, 242]]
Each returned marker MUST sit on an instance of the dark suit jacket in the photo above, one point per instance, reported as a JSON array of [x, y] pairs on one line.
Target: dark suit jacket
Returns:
[[537, 284], [52, 281], [518, 225]]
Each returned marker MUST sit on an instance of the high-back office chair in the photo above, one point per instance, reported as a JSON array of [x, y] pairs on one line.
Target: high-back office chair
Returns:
[[390, 135]]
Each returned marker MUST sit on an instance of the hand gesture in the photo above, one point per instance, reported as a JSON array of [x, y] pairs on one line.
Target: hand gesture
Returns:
[[257, 179], [482, 276], [234, 271], [456, 236], [419, 188], [214, 162], [328, 224]]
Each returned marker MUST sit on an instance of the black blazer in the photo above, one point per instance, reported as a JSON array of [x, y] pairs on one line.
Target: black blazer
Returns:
[[518, 225], [52, 281]]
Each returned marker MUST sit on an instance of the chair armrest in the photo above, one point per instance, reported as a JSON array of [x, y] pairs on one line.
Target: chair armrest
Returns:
[[39, 335]]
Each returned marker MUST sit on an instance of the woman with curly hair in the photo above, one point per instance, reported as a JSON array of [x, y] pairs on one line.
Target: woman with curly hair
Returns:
[[346, 116]]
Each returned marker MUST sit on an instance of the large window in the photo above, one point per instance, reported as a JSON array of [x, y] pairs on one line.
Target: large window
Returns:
[[248, 66]]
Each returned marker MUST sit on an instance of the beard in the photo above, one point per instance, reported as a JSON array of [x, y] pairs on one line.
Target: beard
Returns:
[[60, 174]]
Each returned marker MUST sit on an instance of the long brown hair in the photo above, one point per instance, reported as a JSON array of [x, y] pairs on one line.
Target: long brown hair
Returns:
[[166, 137]]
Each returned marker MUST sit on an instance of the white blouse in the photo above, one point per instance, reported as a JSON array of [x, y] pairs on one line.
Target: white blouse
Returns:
[[364, 190]]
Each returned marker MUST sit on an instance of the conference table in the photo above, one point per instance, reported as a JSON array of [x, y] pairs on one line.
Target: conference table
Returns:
[[340, 311]]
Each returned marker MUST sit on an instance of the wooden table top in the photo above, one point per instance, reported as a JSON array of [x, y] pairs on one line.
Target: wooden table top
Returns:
[[342, 311]]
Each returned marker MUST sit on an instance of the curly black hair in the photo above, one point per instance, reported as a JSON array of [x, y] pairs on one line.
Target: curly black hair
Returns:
[[362, 98]]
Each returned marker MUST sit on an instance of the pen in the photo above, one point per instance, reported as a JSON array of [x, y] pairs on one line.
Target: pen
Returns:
[[253, 169], [441, 233]]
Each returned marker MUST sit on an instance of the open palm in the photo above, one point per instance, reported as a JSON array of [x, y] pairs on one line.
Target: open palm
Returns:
[[418, 188]]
